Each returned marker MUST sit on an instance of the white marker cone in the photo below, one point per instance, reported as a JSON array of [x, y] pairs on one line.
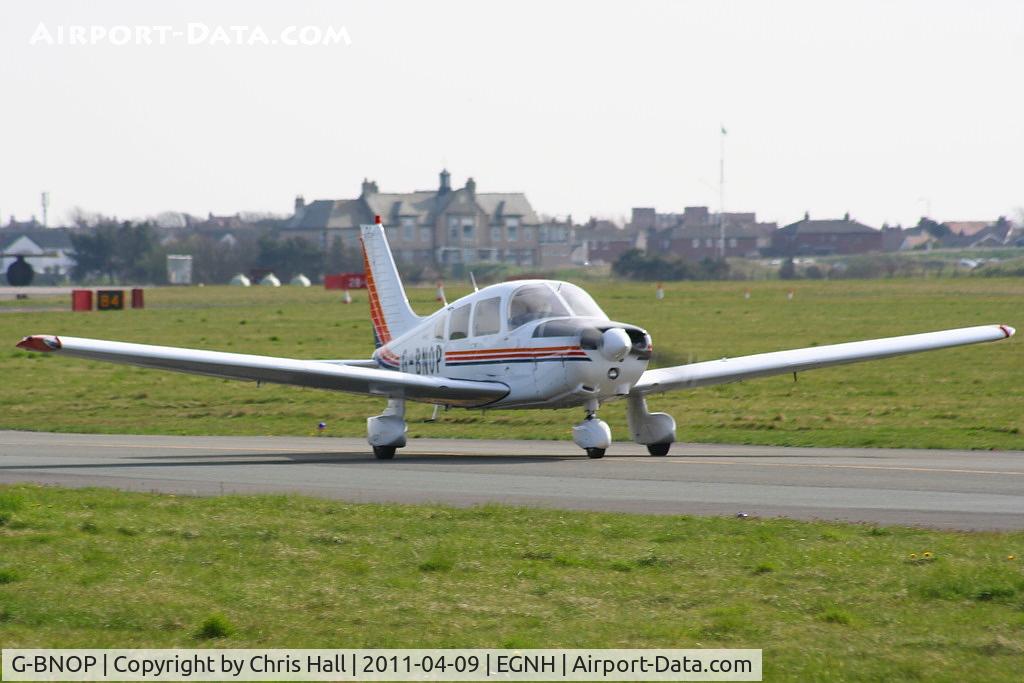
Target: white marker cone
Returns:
[[347, 299]]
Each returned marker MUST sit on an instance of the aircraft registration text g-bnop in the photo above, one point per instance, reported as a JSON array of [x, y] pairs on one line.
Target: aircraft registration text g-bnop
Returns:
[[375, 665]]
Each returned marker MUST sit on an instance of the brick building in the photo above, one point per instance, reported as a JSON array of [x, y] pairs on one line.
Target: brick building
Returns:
[[603, 241], [444, 226], [696, 233], [821, 237]]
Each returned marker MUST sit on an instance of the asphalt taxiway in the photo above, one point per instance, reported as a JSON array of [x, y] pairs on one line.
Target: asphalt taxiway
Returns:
[[944, 489]]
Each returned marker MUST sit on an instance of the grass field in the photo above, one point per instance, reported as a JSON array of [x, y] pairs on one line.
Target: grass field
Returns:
[[962, 398], [94, 568]]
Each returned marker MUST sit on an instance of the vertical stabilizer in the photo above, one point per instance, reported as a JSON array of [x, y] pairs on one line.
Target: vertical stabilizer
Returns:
[[389, 308]]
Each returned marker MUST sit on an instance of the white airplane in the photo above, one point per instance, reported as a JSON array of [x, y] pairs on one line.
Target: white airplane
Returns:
[[524, 344]]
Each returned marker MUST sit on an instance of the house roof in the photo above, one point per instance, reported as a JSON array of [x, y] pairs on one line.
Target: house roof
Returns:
[[967, 227], [825, 227], [501, 204], [423, 205], [732, 230], [329, 213], [44, 238], [916, 240], [393, 205], [605, 231]]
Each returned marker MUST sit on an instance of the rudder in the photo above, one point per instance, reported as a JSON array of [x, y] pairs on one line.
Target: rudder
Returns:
[[390, 311]]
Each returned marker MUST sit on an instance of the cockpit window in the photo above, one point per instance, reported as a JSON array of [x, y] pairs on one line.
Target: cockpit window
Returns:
[[534, 302], [439, 327], [579, 301]]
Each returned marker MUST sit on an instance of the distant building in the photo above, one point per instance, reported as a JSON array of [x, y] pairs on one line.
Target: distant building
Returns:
[[444, 226], [47, 250], [558, 244], [893, 237], [977, 234], [929, 234], [696, 233], [30, 224], [602, 241], [831, 236]]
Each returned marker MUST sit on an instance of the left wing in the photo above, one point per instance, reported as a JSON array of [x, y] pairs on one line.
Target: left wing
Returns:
[[336, 375], [797, 360]]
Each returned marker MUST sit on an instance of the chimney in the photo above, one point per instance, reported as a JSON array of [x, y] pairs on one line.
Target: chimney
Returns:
[[807, 215], [300, 203], [446, 181], [471, 187], [369, 187], [847, 217]]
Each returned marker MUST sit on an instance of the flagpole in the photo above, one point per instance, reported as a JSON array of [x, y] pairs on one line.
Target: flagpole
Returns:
[[721, 193]]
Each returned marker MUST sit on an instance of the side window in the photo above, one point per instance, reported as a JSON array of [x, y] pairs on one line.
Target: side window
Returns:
[[459, 328], [487, 316], [439, 327]]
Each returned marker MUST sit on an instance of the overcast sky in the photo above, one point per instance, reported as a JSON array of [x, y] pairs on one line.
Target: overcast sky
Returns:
[[881, 109]]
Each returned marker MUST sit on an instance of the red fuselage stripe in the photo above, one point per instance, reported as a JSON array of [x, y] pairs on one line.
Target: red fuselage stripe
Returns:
[[545, 349]]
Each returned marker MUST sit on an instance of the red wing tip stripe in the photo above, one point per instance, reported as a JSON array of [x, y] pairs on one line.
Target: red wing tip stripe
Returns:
[[1007, 330], [40, 342]]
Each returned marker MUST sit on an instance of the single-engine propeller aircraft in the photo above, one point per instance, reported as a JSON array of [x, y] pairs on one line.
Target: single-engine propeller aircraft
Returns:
[[523, 344]]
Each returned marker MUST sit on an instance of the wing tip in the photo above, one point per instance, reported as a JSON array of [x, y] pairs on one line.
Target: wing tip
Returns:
[[40, 342], [1007, 331]]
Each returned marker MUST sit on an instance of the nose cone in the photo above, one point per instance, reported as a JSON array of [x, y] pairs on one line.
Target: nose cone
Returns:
[[615, 344]]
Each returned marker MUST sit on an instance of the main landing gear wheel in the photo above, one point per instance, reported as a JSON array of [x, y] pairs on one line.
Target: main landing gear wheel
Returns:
[[595, 453], [658, 448], [384, 452]]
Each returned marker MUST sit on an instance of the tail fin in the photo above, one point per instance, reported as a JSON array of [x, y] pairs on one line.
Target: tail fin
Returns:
[[389, 308]]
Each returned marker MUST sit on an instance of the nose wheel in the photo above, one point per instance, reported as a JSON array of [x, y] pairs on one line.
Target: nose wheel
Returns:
[[592, 435]]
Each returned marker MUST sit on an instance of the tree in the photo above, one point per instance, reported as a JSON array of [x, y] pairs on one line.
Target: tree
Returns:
[[342, 260], [126, 252], [714, 269], [289, 257], [217, 261], [638, 266], [938, 230], [94, 253], [787, 271]]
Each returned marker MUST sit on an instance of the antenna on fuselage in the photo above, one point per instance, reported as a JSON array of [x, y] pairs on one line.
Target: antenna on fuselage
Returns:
[[472, 279]]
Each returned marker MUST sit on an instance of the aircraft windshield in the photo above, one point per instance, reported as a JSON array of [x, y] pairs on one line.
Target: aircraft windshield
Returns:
[[534, 302], [581, 303]]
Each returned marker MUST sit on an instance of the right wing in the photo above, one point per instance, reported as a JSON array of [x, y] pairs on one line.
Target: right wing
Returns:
[[726, 370], [336, 375]]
